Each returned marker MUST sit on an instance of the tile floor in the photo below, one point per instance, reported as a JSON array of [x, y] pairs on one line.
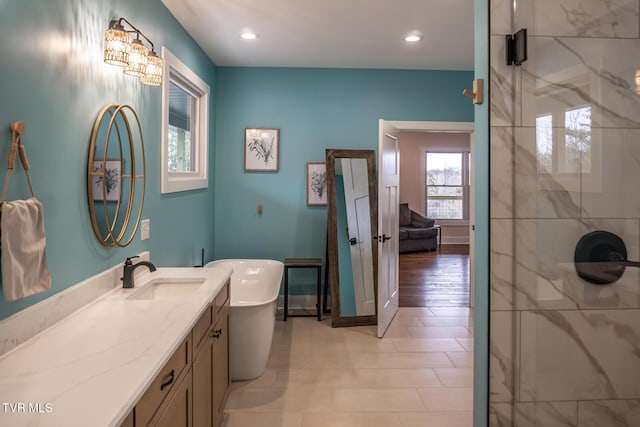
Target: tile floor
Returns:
[[419, 374]]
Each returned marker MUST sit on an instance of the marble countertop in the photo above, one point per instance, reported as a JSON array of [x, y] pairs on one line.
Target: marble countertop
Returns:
[[93, 366]]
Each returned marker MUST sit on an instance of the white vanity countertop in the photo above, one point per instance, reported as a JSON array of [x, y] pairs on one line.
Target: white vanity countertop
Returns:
[[93, 366]]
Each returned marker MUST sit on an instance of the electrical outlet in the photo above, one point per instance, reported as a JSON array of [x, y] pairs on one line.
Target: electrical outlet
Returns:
[[144, 229]]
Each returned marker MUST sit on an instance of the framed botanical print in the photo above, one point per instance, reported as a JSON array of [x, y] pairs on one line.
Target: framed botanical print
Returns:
[[261, 149], [316, 184]]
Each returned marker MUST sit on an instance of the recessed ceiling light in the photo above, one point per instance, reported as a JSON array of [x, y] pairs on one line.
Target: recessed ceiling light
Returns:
[[412, 38], [249, 36]]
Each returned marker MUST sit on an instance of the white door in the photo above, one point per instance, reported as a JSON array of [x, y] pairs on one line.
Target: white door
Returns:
[[356, 191], [388, 207]]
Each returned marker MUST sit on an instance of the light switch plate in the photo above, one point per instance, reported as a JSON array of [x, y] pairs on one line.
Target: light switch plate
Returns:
[[144, 229]]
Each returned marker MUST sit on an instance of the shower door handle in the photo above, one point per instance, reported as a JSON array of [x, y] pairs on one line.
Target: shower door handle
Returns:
[[601, 258], [625, 263]]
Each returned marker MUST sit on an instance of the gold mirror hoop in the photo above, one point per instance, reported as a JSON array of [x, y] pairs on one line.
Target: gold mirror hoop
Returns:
[[110, 240], [111, 225]]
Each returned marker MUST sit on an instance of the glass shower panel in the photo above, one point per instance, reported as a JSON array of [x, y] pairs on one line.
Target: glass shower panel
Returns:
[[566, 352]]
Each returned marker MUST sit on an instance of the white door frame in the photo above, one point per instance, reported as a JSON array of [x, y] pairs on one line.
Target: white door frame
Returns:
[[454, 127]]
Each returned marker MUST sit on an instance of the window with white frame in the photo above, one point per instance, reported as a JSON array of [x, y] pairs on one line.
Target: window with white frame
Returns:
[[185, 127], [447, 185]]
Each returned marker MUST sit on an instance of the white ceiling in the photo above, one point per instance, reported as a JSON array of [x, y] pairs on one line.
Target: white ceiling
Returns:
[[332, 33]]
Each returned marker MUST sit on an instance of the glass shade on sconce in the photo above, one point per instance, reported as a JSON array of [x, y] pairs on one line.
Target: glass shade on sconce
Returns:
[[132, 55], [638, 82], [137, 65], [153, 72], [117, 44]]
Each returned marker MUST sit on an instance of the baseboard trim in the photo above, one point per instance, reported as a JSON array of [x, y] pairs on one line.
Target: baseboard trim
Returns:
[[302, 302], [455, 240]]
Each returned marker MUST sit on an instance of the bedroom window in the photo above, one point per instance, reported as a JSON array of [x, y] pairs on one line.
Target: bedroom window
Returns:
[[447, 185]]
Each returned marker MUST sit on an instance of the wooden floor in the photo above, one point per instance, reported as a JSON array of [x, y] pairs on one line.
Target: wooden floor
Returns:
[[438, 278]]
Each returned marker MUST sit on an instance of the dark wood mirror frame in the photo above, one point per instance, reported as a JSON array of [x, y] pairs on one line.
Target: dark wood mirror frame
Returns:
[[337, 319]]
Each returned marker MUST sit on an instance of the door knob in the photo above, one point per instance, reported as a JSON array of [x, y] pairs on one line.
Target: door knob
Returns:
[[601, 257], [353, 241]]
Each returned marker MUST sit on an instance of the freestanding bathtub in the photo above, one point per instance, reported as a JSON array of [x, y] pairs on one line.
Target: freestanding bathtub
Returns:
[[254, 289]]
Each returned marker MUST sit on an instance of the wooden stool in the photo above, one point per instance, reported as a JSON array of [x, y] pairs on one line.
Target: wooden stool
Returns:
[[301, 263]]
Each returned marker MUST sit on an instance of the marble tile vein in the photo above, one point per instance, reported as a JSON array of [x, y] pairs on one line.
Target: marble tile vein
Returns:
[[560, 321], [581, 18], [583, 21], [547, 414], [619, 413], [591, 72]]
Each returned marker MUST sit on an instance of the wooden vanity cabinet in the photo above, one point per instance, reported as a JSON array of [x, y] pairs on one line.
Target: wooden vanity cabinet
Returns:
[[191, 388], [211, 365]]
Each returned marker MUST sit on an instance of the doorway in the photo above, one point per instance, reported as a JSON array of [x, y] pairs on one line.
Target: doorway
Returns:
[[431, 326], [395, 127], [435, 184]]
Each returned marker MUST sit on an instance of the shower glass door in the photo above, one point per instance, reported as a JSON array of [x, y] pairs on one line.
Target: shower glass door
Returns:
[[565, 161]]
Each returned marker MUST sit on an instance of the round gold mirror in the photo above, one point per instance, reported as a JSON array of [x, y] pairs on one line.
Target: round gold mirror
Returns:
[[115, 186]]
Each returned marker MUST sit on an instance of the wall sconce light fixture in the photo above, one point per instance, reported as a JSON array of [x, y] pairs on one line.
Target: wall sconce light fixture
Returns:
[[132, 55]]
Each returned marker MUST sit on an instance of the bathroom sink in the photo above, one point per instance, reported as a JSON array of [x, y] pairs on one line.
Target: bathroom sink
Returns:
[[167, 288]]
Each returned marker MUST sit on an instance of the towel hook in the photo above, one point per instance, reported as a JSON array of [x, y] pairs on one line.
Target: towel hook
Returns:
[[475, 95], [18, 127]]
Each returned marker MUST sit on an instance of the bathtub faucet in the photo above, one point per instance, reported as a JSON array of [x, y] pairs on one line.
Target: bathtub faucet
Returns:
[[129, 268]]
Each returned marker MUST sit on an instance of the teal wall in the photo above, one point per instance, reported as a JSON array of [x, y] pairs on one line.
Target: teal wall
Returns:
[[52, 78], [481, 220], [315, 109]]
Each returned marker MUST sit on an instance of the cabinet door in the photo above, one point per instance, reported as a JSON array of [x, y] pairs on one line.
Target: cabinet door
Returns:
[[176, 410], [164, 383], [220, 364], [128, 422], [203, 386]]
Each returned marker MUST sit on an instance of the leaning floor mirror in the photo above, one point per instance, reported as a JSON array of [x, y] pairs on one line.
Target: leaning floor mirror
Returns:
[[352, 224]]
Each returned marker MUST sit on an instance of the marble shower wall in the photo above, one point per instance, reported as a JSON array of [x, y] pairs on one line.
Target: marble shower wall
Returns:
[[565, 161]]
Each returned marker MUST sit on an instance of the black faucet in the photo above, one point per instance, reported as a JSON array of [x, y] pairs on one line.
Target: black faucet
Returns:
[[129, 268]]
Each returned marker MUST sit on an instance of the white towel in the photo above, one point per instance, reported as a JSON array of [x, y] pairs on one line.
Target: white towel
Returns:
[[24, 265]]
